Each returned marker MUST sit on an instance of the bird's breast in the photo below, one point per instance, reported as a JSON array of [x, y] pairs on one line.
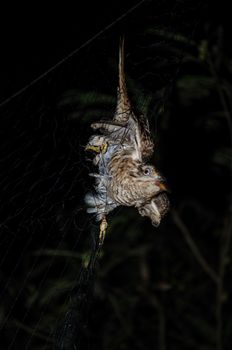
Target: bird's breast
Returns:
[[124, 187]]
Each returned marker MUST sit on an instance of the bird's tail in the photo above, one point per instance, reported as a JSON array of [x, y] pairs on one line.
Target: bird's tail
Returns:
[[123, 108]]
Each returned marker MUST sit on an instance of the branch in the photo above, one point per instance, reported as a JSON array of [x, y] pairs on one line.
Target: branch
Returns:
[[193, 247], [221, 96], [224, 251]]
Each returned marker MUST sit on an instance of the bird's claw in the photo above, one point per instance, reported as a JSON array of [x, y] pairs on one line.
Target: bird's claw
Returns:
[[98, 149], [103, 227]]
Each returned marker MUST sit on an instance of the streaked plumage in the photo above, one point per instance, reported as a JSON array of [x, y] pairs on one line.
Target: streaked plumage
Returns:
[[122, 147]]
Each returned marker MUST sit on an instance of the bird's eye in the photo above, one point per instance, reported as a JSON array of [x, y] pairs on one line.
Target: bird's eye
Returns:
[[147, 171]]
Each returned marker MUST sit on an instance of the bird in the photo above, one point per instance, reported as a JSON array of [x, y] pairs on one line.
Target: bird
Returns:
[[122, 148]]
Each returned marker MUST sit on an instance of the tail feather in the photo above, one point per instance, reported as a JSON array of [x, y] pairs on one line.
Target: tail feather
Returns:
[[123, 108]]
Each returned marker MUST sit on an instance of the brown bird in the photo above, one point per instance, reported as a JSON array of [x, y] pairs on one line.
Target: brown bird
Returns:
[[121, 153]]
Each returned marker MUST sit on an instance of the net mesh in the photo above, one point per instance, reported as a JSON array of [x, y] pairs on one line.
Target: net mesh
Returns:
[[53, 295]]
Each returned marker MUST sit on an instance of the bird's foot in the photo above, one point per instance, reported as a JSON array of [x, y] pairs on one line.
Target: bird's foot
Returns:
[[98, 149], [103, 227]]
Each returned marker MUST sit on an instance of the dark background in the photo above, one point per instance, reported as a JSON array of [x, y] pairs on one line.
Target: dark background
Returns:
[[167, 287]]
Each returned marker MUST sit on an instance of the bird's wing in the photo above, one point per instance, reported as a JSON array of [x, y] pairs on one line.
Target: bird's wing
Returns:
[[147, 145], [127, 135]]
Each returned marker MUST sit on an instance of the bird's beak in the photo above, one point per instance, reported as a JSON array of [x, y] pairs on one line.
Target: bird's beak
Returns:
[[163, 186], [161, 182]]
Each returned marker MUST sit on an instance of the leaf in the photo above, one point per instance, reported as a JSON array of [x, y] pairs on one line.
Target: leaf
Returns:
[[194, 87], [223, 157], [85, 98]]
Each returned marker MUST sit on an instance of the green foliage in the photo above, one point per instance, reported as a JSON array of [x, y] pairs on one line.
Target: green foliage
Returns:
[[192, 88]]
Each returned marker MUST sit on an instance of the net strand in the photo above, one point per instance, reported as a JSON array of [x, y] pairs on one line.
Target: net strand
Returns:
[[71, 54]]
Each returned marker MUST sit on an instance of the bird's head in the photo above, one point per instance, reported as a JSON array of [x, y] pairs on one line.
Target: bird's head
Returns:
[[154, 188], [152, 178]]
